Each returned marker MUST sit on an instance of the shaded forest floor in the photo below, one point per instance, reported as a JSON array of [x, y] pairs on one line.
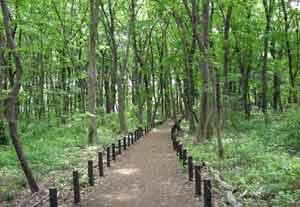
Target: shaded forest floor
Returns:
[[147, 175], [52, 148], [261, 160]]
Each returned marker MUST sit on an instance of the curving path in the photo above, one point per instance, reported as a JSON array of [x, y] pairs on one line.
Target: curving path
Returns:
[[146, 175]]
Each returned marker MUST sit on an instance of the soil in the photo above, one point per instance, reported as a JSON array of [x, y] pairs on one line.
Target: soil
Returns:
[[146, 175]]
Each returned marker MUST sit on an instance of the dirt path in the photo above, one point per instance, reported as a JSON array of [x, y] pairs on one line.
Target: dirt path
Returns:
[[147, 175]]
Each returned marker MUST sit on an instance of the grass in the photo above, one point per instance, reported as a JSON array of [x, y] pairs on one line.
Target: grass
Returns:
[[261, 159], [50, 147]]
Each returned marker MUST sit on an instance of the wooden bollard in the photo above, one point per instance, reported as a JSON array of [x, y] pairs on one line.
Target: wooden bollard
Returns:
[[124, 143], [76, 187], [53, 200], [113, 146], [180, 151], [132, 139], [178, 148], [173, 134], [174, 141], [100, 164], [119, 147], [91, 172], [176, 145], [141, 132], [207, 193], [198, 180], [129, 141], [135, 136], [184, 157], [108, 156], [190, 168]]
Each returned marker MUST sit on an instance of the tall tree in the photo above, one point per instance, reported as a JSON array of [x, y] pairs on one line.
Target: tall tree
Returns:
[[92, 71], [268, 6], [12, 100]]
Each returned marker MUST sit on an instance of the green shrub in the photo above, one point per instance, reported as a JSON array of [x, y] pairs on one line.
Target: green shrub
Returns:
[[291, 130]]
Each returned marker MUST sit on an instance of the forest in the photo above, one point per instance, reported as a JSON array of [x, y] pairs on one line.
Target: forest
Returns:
[[77, 74]]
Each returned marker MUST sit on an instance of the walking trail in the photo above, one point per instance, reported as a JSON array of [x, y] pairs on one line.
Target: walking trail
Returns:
[[146, 175]]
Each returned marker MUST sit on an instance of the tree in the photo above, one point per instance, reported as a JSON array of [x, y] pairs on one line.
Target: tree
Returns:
[[94, 6], [12, 101]]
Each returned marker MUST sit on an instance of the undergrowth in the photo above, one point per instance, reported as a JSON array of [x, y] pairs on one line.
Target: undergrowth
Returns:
[[261, 160], [50, 147]]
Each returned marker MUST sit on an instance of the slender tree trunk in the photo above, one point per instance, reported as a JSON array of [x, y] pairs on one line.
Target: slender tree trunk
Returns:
[[204, 115], [12, 102], [92, 71], [264, 79], [291, 97], [276, 81], [139, 62], [227, 21]]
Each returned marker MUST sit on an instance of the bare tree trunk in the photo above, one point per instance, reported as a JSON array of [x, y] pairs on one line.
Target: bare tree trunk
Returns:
[[92, 71], [139, 62], [204, 129], [118, 71], [12, 102], [268, 13], [227, 21], [276, 80], [291, 97]]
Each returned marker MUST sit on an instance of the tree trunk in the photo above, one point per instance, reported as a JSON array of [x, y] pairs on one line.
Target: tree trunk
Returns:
[[227, 21], [204, 115], [12, 102], [264, 79], [92, 72], [292, 97]]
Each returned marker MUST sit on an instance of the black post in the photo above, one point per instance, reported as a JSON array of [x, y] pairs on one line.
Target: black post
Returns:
[[132, 139], [184, 157], [176, 145], [76, 187], [198, 180], [129, 141], [124, 143], [100, 164], [108, 156], [178, 148], [113, 151], [190, 168], [141, 132], [207, 193], [180, 151], [90, 172], [119, 147], [53, 197], [135, 136]]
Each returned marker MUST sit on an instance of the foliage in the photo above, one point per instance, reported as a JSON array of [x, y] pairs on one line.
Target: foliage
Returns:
[[258, 159], [50, 147]]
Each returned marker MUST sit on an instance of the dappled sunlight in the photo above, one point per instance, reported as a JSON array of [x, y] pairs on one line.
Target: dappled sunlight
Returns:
[[127, 171], [163, 130], [119, 196]]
